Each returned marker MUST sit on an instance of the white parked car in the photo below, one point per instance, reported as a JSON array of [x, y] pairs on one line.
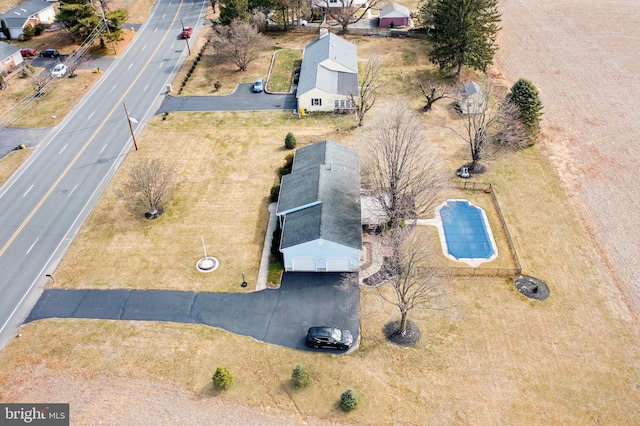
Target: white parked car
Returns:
[[59, 71]]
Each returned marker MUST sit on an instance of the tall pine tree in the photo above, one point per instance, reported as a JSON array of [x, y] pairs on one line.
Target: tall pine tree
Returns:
[[464, 32]]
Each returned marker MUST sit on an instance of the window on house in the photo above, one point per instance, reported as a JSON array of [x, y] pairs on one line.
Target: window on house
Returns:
[[316, 102]]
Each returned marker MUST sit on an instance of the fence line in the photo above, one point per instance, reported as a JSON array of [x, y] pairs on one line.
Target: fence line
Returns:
[[488, 188], [370, 32]]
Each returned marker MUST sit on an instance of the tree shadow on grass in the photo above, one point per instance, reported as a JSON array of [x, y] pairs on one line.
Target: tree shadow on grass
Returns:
[[392, 332]]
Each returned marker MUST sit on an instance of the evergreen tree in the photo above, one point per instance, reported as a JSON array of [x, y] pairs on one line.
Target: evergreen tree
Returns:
[[290, 141], [464, 32], [80, 18], [5, 29], [525, 95], [232, 9]]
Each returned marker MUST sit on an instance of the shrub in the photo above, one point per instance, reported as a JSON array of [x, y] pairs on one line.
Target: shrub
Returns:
[[275, 243], [525, 95], [275, 193], [39, 28], [349, 400], [28, 32], [286, 169], [290, 141], [217, 85], [300, 376], [222, 378]]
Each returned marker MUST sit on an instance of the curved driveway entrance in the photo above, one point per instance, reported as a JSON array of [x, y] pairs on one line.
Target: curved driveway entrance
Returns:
[[281, 316]]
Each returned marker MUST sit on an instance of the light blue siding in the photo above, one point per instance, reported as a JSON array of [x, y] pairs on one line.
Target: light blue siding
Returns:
[[321, 250]]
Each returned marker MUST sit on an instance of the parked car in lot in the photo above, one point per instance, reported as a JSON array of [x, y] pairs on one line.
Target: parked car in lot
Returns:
[[49, 53], [186, 32], [329, 337], [258, 86], [27, 52], [59, 71]]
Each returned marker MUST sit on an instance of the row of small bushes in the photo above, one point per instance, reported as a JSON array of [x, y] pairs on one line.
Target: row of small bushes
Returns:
[[193, 68], [222, 380]]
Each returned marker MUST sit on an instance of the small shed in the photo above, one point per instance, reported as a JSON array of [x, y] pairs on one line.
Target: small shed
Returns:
[[10, 56], [394, 15], [472, 100]]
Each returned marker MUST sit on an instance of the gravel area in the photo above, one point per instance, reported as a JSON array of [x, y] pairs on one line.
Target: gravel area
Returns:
[[121, 401], [584, 58]]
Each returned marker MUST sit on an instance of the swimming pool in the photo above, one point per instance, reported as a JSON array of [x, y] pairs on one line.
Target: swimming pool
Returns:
[[467, 232]]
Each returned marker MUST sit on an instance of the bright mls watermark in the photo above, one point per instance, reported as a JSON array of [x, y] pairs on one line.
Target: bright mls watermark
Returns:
[[34, 414]]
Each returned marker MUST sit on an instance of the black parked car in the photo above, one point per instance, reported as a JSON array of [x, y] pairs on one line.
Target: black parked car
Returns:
[[329, 337], [49, 53]]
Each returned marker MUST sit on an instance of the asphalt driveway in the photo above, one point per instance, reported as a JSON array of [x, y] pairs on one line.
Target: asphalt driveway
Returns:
[[281, 316], [243, 99]]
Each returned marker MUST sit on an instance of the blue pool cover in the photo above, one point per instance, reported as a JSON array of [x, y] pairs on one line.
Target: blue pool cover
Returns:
[[465, 231]]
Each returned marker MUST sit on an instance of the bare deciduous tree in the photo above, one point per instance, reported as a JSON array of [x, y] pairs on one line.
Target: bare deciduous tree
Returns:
[[347, 12], [402, 171], [239, 42], [150, 185], [492, 127], [414, 285], [39, 80], [434, 94], [258, 19], [3, 83], [368, 89]]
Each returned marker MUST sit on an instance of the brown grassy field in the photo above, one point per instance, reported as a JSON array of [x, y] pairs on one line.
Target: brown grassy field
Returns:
[[11, 162], [492, 357]]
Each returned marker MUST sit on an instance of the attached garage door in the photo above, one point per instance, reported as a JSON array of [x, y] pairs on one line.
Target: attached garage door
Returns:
[[303, 264], [338, 264]]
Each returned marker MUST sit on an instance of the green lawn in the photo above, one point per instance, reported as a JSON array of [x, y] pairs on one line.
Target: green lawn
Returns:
[[285, 63]]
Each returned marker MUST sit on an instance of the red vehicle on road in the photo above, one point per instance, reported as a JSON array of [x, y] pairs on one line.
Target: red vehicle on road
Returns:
[[27, 52], [186, 32]]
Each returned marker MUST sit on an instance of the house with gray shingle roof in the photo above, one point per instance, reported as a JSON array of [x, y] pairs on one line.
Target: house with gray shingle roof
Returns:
[[10, 56], [328, 75], [319, 210], [31, 12]]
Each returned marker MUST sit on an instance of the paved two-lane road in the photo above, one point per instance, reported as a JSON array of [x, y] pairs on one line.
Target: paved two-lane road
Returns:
[[44, 204]]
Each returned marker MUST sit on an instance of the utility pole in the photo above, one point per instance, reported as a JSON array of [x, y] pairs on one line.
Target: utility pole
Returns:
[[130, 126], [104, 20], [186, 38]]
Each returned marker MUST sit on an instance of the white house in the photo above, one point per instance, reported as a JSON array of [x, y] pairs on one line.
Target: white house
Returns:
[[319, 210], [328, 75], [10, 56], [31, 12], [472, 100]]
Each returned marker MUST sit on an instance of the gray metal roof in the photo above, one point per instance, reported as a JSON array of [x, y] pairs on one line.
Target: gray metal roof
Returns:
[[340, 53], [330, 172], [469, 88], [394, 10], [7, 50], [23, 11]]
